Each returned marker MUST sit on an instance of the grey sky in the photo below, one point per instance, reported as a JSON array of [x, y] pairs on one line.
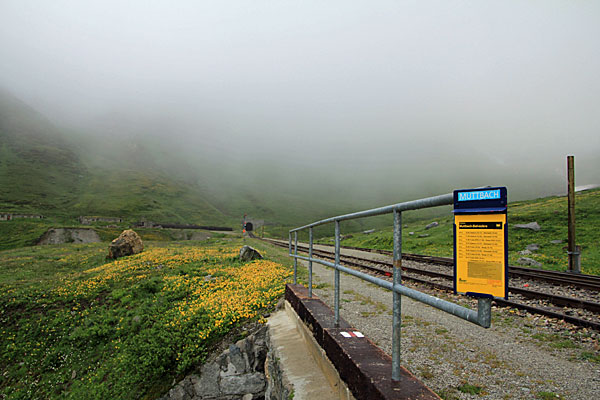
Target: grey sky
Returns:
[[450, 91]]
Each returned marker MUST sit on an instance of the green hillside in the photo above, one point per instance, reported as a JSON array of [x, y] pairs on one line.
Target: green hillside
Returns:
[[45, 171], [38, 169]]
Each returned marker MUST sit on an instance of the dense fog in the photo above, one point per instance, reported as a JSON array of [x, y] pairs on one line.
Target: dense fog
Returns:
[[353, 101]]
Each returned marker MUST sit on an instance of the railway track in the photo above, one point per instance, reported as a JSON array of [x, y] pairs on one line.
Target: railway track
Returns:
[[583, 281], [556, 305]]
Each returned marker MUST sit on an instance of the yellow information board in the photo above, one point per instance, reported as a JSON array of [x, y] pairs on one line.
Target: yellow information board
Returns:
[[480, 254]]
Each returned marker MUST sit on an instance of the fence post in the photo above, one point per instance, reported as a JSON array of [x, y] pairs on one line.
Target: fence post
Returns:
[[337, 274], [295, 258], [397, 315], [310, 254], [290, 244]]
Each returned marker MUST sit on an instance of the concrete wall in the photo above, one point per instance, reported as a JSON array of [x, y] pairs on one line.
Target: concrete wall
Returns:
[[10, 216], [86, 220]]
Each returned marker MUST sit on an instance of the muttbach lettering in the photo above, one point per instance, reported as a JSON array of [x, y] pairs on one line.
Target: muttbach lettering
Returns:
[[479, 195]]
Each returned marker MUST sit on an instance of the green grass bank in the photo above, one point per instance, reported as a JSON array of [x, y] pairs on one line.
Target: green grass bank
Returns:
[[74, 326]]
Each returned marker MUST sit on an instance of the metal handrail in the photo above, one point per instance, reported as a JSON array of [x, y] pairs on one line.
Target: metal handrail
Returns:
[[481, 317]]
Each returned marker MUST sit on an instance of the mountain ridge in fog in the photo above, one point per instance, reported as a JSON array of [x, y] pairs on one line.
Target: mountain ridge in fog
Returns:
[[140, 164], [128, 174]]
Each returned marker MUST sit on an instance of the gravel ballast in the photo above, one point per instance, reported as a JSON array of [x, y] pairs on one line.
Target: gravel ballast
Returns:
[[521, 356]]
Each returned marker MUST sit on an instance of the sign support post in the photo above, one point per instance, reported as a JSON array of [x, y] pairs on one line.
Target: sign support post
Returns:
[[572, 249]]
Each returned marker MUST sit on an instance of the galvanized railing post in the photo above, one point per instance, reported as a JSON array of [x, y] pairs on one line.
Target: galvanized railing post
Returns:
[[484, 311], [310, 254], [337, 274], [295, 258], [290, 246], [397, 302]]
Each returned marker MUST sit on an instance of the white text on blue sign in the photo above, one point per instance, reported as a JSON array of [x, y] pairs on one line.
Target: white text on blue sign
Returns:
[[479, 195]]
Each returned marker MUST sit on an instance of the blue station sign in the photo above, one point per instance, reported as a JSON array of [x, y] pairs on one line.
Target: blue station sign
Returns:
[[485, 200]]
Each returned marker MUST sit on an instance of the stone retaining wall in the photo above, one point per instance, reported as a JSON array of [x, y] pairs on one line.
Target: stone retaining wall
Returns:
[[247, 370]]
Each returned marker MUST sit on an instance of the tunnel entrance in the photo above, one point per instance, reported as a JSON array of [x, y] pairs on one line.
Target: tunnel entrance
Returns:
[[249, 227]]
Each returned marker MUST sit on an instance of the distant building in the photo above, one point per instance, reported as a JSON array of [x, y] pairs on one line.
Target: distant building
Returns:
[[87, 220], [146, 224], [4, 216]]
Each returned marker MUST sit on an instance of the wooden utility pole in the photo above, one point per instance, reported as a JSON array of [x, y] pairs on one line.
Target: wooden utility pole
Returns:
[[572, 248]]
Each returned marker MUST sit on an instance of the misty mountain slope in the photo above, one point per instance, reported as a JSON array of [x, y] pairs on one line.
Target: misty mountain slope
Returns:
[[38, 168], [143, 195], [44, 170]]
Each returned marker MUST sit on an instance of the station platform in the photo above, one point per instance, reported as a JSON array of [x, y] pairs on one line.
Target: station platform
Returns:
[[353, 365]]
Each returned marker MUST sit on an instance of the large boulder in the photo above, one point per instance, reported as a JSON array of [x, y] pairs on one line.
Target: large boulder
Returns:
[[126, 244], [248, 253]]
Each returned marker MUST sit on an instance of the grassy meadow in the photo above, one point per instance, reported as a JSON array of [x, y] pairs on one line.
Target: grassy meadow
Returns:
[[76, 326], [549, 212]]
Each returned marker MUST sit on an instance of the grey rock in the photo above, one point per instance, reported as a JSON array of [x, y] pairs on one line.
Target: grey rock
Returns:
[[557, 241], [423, 235], [248, 253], [242, 384], [237, 372], [260, 350], [525, 252], [178, 393], [208, 382], [411, 233], [247, 396], [237, 359], [222, 361], [247, 346], [69, 235], [528, 261], [534, 226], [432, 225], [369, 231], [533, 247], [231, 370]]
